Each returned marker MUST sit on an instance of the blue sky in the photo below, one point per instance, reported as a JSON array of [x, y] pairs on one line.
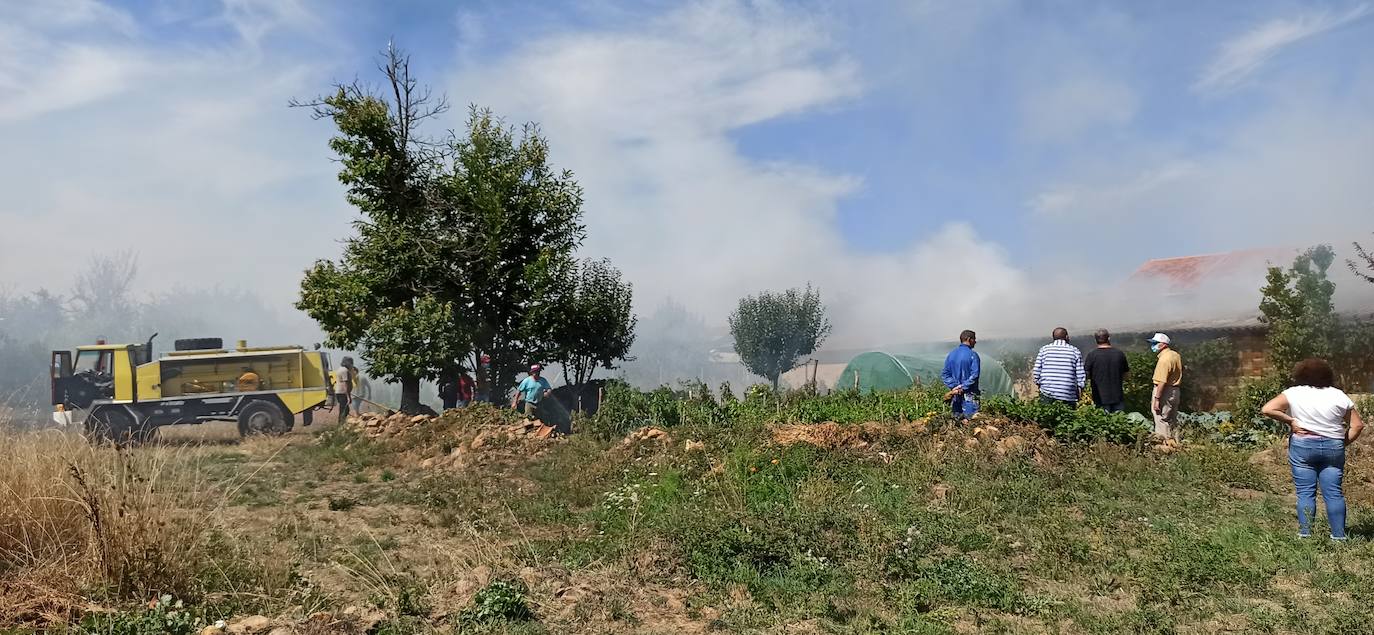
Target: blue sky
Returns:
[[972, 154]]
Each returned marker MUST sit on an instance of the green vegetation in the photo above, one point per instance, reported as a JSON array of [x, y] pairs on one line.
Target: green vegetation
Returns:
[[465, 247], [772, 331], [844, 513]]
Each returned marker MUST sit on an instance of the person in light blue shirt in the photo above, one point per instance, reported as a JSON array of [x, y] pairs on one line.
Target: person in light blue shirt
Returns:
[[532, 389], [960, 374]]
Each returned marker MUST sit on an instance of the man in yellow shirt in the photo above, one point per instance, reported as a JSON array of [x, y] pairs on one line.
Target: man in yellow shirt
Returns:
[[1168, 375]]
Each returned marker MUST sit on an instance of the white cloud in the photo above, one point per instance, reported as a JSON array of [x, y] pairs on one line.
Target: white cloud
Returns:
[[1241, 56], [188, 156], [645, 118]]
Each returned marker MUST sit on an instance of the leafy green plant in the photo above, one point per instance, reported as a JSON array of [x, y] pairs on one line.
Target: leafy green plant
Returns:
[[503, 600], [1084, 423], [163, 616], [1252, 394]]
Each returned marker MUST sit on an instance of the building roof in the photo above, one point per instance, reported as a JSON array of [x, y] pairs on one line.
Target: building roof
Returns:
[[1187, 272]]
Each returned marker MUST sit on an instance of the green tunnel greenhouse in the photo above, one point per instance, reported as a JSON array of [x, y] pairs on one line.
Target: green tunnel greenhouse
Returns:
[[876, 370]]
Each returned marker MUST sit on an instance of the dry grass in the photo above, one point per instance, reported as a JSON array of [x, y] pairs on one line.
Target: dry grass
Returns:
[[77, 520]]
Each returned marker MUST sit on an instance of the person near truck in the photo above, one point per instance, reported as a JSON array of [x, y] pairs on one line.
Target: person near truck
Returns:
[[344, 379], [1059, 370], [1168, 375], [1106, 367], [362, 391], [960, 374], [1323, 421], [532, 390]]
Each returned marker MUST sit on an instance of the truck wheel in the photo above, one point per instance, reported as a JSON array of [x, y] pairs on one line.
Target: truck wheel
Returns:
[[263, 417], [199, 344], [109, 425]]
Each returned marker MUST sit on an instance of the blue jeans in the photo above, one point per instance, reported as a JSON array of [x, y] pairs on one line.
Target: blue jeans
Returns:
[[956, 404], [1318, 461]]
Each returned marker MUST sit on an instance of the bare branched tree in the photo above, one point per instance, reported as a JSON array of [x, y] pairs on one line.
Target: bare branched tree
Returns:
[[105, 287], [1368, 266]]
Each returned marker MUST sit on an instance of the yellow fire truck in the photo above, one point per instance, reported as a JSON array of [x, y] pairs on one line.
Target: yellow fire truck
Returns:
[[125, 395]]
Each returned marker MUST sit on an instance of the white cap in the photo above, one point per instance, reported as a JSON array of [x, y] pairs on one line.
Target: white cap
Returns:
[[1160, 338]]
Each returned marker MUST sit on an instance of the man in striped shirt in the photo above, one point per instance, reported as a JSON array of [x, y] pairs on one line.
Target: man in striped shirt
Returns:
[[1059, 370]]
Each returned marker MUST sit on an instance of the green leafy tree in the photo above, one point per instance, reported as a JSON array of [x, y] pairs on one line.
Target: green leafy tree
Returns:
[[516, 221], [386, 296], [592, 326], [1296, 304], [772, 331]]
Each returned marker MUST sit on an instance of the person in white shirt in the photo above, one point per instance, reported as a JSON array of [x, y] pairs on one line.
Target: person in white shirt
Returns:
[[1323, 420]]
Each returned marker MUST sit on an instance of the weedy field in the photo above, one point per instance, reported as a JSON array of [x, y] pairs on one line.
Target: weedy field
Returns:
[[838, 514]]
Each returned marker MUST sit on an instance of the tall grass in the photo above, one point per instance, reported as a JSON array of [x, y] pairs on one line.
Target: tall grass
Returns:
[[78, 521]]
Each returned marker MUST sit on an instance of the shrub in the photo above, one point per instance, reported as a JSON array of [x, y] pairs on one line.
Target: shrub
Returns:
[[1084, 423], [1251, 396], [1138, 383], [503, 600]]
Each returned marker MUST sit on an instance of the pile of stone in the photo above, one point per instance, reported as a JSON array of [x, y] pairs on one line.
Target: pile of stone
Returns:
[[376, 425]]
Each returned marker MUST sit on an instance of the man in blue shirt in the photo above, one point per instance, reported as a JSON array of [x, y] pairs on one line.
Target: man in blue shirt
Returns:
[[961, 373], [532, 389]]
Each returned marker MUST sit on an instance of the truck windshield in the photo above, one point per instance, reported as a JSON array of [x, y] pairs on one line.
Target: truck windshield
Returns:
[[94, 361]]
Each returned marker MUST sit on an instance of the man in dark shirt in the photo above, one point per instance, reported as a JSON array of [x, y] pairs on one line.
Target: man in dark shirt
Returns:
[[1106, 368]]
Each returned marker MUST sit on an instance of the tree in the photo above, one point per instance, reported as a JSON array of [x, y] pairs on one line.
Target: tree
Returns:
[[102, 299], [518, 222], [386, 296], [1367, 258], [592, 325], [1297, 306], [773, 331]]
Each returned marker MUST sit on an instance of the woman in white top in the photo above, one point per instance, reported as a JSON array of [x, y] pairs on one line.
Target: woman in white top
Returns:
[[1323, 420]]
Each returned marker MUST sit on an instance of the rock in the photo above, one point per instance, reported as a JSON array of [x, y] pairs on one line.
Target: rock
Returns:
[[483, 575], [211, 630], [254, 624], [544, 432], [365, 619], [970, 443], [693, 446], [427, 463], [419, 419], [1011, 444], [529, 576], [986, 433]]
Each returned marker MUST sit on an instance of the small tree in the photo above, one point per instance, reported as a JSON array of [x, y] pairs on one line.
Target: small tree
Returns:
[[592, 325], [773, 331], [1297, 306]]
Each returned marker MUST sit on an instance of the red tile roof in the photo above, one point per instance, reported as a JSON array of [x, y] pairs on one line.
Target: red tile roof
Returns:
[[1188, 271]]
